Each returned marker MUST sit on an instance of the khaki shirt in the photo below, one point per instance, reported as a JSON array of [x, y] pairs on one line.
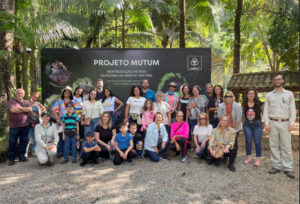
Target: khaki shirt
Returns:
[[280, 105], [46, 136]]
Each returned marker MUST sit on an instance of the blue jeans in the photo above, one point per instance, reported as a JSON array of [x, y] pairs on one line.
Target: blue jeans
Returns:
[[253, 130], [113, 118], [20, 133], [60, 145], [31, 135], [202, 151], [70, 140], [91, 127], [155, 156], [192, 123]]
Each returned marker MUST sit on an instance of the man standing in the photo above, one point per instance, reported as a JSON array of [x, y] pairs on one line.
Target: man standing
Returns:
[[147, 93], [100, 93], [19, 110], [279, 117]]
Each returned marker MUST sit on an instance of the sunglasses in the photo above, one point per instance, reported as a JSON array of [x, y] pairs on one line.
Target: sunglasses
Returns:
[[202, 118], [228, 96]]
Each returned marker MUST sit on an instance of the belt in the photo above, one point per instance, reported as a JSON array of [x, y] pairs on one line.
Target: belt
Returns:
[[279, 119]]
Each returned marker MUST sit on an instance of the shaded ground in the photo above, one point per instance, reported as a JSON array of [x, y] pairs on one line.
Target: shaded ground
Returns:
[[147, 182]]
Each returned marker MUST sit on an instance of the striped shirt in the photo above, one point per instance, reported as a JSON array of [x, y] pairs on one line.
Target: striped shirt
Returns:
[[70, 121]]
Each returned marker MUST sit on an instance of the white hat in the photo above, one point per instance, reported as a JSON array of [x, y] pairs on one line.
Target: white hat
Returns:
[[67, 88]]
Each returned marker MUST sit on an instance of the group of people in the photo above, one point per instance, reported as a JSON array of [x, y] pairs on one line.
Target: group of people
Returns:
[[154, 124]]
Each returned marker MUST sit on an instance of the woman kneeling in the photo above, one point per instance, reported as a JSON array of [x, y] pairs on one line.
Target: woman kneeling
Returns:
[[179, 136], [47, 139], [156, 139], [221, 144]]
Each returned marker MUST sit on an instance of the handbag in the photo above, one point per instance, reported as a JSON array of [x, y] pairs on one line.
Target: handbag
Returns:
[[218, 150], [87, 121]]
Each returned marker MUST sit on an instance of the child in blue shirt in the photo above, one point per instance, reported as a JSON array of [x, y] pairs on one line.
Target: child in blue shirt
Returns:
[[90, 150], [123, 146], [70, 125]]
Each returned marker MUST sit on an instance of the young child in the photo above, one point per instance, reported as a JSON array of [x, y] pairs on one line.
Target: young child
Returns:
[[70, 125], [138, 140], [123, 145], [90, 150], [148, 114]]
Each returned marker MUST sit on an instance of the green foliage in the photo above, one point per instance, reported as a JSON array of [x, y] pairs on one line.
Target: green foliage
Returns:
[[284, 33]]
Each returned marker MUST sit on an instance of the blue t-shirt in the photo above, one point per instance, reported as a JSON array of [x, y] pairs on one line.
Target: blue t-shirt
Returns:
[[123, 141], [85, 144], [150, 95]]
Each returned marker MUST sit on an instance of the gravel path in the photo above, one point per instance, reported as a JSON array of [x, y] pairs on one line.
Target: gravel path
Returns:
[[147, 182]]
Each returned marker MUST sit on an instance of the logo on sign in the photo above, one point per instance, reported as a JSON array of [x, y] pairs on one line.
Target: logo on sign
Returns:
[[194, 62]]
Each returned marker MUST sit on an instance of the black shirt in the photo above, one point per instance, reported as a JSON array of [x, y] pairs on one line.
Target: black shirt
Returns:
[[99, 95], [183, 103], [105, 135], [213, 102], [253, 113], [137, 137]]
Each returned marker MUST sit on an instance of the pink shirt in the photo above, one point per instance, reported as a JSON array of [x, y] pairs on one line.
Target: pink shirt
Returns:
[[17, 120], [171, 100], [183, 130], [147, 119]]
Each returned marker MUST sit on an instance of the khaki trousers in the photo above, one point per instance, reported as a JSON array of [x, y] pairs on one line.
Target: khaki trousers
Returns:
[[44, 155], [280, 145]]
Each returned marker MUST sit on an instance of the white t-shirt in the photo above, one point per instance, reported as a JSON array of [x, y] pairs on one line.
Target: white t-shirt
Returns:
[[202, 132], [162, 107], [109, 104], [136, 105]]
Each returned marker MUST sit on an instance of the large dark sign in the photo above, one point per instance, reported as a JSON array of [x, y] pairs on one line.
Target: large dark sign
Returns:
[[122, 68]]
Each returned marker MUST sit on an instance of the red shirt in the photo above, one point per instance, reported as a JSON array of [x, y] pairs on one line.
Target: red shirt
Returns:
[[17, 120]]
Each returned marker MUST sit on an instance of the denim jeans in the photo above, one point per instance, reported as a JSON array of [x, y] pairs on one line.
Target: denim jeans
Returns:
[[70, 140], [113, 118], [60, 145], [192, 124], [91, 127], [202, 152], [155, 156], [20, 133], [31, 135], [253, 130]]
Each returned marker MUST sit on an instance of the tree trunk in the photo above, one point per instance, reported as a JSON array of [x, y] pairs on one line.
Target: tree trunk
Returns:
[[237, 37], [25, 73], [116, 30], [33, 69], [165, 41], [18, 66], [6, 44], [182, 24], [123, 28]]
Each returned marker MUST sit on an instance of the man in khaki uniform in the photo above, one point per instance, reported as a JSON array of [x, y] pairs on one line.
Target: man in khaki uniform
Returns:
[[279, 117]]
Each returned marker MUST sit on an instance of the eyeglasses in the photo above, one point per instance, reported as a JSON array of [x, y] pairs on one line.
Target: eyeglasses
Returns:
[[202, 118], [228, 96]]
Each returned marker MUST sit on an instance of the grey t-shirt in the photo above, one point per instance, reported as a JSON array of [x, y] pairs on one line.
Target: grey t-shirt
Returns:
[[200, 106]]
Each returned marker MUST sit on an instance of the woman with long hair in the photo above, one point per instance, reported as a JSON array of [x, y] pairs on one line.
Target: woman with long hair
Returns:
[[92, 111], [252, 112], [109, 101], [105, 133], [213, 104], [134, 106]]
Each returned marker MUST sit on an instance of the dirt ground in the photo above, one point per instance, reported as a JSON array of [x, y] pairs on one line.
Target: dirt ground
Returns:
[[146, 182]]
